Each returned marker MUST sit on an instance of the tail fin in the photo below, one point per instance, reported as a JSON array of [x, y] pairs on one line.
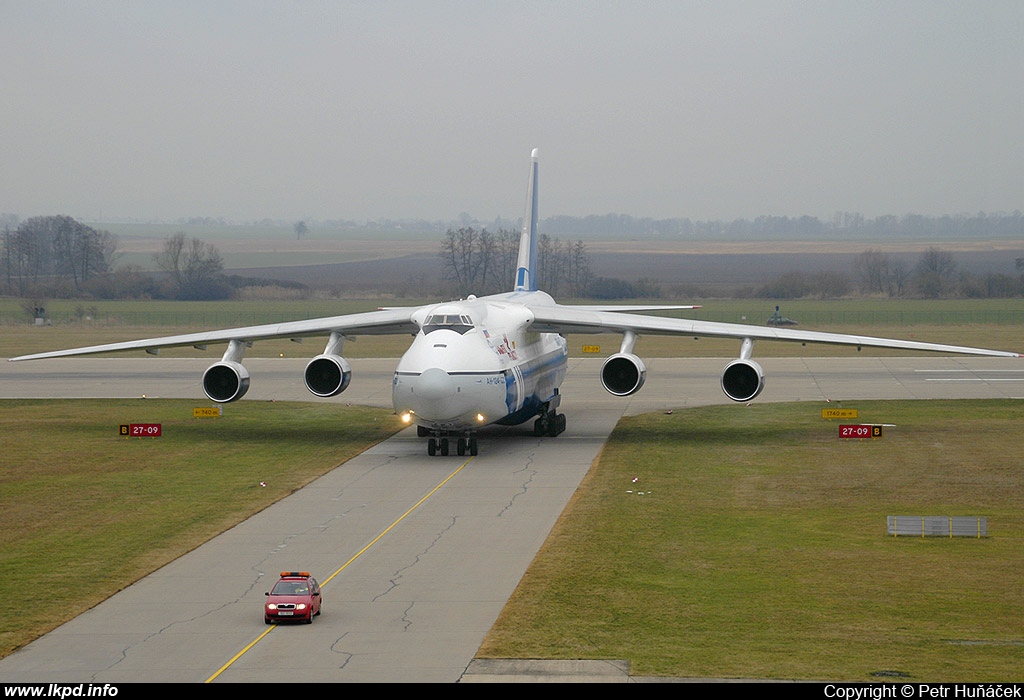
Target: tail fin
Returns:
[[526, 268]]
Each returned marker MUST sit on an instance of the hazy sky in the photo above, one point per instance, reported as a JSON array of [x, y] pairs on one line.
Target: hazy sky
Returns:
[[419, 109]]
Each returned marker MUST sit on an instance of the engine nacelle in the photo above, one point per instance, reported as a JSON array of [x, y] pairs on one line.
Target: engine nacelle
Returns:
[[742, 380], [328, 375], [623, 374], [226, 381]]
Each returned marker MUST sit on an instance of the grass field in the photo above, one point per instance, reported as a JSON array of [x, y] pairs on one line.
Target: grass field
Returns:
[[725, 541], [86, 512], [758, 549], [751, 543]]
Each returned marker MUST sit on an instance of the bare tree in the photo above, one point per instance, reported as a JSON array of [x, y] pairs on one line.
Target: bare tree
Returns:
[[53, 250], [873, 272], [481, 262], [579, 270], [935, 273], [193, 265]]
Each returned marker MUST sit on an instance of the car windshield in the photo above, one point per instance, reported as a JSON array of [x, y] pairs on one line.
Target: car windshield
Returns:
[[290, 588]]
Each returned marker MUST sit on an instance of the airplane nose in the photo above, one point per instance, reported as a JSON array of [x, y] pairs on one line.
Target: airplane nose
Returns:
[[435, 385]]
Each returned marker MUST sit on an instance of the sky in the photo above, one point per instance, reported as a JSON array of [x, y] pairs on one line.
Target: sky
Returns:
[[421, 109]]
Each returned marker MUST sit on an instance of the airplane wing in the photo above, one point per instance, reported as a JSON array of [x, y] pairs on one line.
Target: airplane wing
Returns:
[[390, 321], [566, 319], [630, 307]]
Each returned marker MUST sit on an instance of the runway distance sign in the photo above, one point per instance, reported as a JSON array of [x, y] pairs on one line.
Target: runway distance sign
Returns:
[[860, 431], [834, 413], [207, 412], [142, 430]]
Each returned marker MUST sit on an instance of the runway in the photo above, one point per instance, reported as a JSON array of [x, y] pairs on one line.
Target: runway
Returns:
[[426, 550]]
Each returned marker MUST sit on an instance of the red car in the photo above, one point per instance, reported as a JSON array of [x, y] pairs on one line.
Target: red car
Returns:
[[296, 596]]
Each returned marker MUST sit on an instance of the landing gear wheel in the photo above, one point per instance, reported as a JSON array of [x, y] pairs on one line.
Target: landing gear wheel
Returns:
[[553, 425], [432, 447], [444, 447], [461, 447], [472, 446], [550, 424]]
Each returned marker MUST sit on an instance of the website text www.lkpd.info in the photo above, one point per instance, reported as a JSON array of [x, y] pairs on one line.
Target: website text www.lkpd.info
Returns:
[[60, 690]]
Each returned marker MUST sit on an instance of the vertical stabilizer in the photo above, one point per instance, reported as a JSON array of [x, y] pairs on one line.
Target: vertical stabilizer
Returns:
[[526, 268]]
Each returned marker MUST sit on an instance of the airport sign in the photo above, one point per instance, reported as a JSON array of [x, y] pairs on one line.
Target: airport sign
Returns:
[[860, 431], [142, 430]]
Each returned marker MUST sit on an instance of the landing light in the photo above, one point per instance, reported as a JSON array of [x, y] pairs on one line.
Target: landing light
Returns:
[[480, 418], [406, 417]]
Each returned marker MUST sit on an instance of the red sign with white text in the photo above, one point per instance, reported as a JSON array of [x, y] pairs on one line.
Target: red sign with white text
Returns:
[[142, 430], [860, 431]]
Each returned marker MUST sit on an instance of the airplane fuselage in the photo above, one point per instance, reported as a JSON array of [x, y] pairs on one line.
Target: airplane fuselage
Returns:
[[474, 363]]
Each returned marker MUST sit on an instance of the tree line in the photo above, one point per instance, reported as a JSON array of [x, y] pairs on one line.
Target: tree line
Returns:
[[481, 262], [934, 275], [844, 225], [55, 252], [57, 256]]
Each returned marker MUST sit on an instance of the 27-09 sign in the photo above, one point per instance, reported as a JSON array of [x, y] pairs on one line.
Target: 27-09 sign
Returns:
[[141, 430], [860, 431]]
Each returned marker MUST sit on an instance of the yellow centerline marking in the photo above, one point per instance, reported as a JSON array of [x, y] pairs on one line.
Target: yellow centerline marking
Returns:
[[355, 556]]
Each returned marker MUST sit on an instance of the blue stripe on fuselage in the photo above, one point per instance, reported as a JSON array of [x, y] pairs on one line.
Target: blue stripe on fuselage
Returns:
[[544, 373]]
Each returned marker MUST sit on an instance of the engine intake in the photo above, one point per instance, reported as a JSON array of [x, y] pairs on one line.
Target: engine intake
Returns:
[[226, 381], [328, 375], [742, 380], [623, 374]]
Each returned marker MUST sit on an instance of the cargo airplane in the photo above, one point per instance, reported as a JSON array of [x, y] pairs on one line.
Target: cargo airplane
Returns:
[[493, 359]]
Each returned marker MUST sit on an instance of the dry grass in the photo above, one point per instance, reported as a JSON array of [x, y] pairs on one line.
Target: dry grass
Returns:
[[759, 549], [88, 512]]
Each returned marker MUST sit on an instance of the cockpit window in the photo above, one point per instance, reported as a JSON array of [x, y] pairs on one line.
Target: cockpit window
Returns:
[[459, 323]]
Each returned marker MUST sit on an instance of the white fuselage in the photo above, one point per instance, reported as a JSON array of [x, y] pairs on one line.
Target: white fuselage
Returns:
[[473, 363]]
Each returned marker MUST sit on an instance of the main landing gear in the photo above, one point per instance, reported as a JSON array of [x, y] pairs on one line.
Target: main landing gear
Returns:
[[550, 424], [442, 445]]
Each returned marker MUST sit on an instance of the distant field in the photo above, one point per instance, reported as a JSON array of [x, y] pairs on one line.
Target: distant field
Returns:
[[369, 255], [708, 272], [257, 246]]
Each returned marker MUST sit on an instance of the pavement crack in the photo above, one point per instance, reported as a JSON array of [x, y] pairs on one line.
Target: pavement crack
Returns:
[[528, 472], [346, 655], [395, 580]]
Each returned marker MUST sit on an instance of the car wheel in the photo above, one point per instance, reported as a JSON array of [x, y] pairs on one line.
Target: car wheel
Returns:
[[268, 621]]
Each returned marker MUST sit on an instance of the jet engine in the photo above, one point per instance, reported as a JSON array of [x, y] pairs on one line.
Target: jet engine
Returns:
[[226, 381], [742, 380], [328, 375], [623, 374]]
